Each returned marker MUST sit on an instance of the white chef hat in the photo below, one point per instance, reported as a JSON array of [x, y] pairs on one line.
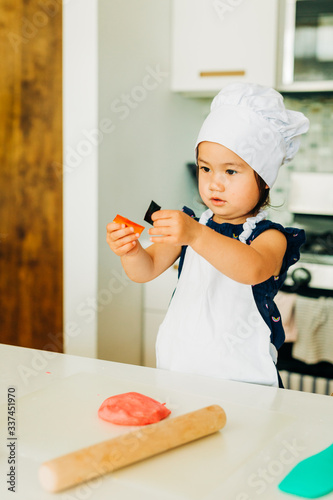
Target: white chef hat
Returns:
[[252, 121]]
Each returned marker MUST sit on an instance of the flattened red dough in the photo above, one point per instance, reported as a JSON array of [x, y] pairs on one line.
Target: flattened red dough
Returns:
[[132, 408], [119, 219]]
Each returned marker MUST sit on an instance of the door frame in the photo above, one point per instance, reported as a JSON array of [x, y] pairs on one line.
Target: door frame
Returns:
[[80, 175]]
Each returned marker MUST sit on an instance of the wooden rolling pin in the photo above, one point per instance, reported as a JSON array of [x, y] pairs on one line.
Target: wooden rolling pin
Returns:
[[82, 465]]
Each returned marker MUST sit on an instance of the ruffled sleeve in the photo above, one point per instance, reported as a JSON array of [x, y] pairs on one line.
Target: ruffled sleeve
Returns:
[[295, 239], [189, 211]]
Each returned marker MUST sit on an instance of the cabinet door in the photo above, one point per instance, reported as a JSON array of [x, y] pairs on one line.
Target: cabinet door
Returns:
[[151, 323], [218, 42], [158, 293], [156, 299]]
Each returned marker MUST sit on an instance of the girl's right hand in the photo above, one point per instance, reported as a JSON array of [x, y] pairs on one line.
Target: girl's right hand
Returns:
[[121, 239]]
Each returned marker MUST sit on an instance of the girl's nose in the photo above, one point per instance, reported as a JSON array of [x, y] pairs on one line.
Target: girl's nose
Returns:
[[216, 184]]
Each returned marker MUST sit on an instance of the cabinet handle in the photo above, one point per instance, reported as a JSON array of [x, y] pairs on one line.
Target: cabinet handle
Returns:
[[223, 73]]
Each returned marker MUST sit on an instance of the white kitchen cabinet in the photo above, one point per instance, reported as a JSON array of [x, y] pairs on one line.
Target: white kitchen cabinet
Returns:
[[156, 298], [219, 42], [152, 321]]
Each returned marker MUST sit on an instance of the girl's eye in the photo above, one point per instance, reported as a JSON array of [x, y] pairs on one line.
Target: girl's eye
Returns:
[[230, 171], [204, 169]]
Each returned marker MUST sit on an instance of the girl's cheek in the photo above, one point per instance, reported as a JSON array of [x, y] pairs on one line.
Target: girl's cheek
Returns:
[[202, 186], [201, 192]]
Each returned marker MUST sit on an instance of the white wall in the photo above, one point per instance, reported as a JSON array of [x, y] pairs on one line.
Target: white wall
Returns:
[[80, 173], [143, 155]]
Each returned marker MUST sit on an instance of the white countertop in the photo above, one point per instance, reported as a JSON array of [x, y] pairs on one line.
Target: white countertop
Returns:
[[268, 430]]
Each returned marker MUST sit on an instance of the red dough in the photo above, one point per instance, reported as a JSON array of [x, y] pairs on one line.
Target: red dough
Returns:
[[119, 219], [132, 408]]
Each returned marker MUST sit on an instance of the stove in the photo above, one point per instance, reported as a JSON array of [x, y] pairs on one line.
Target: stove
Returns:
[[318, 244], [314, 270], [311, 203]]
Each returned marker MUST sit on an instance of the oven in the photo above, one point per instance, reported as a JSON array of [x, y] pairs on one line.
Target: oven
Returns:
[[306, 359]]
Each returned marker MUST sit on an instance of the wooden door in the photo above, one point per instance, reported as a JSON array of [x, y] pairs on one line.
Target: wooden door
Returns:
[[31, 276]]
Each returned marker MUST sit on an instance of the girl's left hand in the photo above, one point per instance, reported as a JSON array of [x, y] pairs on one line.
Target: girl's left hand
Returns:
[[174, 227]]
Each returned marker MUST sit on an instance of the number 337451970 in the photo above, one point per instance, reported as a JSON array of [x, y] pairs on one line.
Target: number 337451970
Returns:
[[11, 409]]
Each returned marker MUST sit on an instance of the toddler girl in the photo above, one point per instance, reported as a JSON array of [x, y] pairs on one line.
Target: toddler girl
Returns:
[[222, 320]]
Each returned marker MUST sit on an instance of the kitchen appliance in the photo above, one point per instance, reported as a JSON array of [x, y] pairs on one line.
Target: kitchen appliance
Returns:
[[305, 56], [311, 193], [311, 202]]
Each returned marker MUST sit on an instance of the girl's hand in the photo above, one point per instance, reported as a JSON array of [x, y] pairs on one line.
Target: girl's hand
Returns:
[[121, 239], [174, 227]]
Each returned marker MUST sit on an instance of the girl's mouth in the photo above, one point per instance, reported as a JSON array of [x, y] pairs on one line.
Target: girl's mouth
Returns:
[[217, 202]]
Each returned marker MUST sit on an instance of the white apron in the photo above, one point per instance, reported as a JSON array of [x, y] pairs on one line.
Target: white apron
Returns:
[[213, 327]]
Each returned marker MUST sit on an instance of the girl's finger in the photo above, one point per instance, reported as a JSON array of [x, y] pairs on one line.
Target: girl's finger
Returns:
[[120, 233], [114, 226], [162, 214], [163, 230], [125, 240], [161, 239], [126, 248], [123, 248], [164, 222]]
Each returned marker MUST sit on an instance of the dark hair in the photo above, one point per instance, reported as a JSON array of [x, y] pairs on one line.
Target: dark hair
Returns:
[[264, 201]]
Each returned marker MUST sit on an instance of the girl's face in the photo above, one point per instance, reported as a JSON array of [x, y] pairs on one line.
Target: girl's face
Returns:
[[227, 184]]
